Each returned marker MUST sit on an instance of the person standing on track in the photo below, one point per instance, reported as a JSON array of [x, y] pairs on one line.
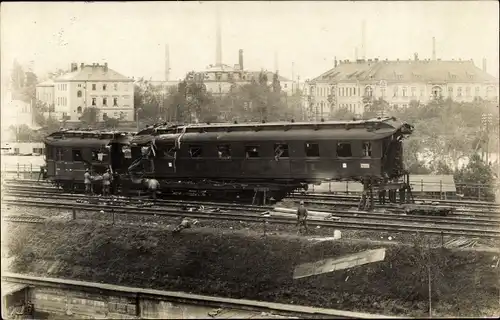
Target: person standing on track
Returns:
[[153, 185], [88, 183], [302, 217], [106, 183]]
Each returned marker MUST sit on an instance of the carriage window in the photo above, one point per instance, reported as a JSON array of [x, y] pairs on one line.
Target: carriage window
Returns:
[[344, 149], [169, 151], [312, 150], [367, 149], [59, 154], [77, 155], [280, 150], [195, 151], [95, 155], [224, 151], [251, 152]]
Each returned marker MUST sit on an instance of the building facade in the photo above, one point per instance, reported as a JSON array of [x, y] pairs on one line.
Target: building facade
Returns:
[[88, 86], [352, 85]]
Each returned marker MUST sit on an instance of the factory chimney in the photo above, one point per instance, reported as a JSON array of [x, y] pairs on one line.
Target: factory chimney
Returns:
[[335, 62], [484, 64], [433, 48], [240, 59], [167, 63], [218, 49], [276, 62], [363, 40], [74, 67]]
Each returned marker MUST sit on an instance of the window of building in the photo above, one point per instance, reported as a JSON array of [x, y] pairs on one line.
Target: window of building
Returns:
[[195, 151], [459, 91], [285, 85], [467, 91], [413, 91], [224, 151], [104, 101], [251, 152], [450, 91], [396, 88], [344, 149], [79, 85], [476, 92], [125, 87], [115, 86], [280, 151], [421, 92], [382, 92], [93, 101], [354, 91], [38, 150], [77, 155], [94, 86], [79, 109], [368, 91], [404, 91], [312, 150], [115, 102], [79, 93], [104, 86], [104, 116]]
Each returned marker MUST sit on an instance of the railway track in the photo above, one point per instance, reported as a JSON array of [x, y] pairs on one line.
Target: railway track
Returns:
[[348, 220], [24, 218], [355, 198]]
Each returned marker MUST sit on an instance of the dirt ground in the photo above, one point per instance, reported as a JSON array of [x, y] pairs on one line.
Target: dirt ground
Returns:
[[244, 263]]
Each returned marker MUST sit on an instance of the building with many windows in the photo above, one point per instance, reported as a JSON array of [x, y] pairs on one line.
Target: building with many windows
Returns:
[[353, 84], [90, 86]]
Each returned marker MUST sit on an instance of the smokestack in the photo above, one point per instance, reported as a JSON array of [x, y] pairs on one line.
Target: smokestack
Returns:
[[240, 59], [74, 67], [433, 48], [218, 49], [363, 40], [484, 64], [105, 67], [275, 61], [335, 62], [167, 63], [82, 66]]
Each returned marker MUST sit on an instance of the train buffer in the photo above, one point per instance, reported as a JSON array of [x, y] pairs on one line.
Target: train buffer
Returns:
[[427, 209]]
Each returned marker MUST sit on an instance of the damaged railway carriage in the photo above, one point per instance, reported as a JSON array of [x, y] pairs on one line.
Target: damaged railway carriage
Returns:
[[70, 152], [268, 160]]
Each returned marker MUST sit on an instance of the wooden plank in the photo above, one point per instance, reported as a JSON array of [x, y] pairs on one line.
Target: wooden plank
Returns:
[[345, 262]]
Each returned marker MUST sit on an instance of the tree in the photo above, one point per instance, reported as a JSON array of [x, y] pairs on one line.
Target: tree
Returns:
[[24, 133], [90, 116], [342, 114], [17, 77], [477, 173]]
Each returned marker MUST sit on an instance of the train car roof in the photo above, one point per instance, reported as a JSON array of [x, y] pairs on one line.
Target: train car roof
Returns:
[[86, 138], [371, 125]]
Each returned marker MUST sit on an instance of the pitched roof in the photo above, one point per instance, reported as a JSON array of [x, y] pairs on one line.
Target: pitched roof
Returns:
[[93, 73], [407, 71], [47, 83], [255, 75]]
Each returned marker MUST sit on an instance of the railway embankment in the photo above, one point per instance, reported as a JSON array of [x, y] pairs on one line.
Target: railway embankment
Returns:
[[250, 265]]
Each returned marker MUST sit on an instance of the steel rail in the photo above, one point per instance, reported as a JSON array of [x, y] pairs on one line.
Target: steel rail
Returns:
[[258, 218]]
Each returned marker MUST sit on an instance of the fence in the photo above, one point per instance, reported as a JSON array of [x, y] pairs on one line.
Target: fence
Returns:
[[21, 171], [434, 190]]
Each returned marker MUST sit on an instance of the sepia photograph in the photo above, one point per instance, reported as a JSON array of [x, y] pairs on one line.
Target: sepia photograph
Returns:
[[250, 159]]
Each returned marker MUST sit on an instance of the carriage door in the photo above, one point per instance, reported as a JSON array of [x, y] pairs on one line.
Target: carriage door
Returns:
[[59, 166]]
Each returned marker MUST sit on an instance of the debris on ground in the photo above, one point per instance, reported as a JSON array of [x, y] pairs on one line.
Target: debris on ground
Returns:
[[461, 243]]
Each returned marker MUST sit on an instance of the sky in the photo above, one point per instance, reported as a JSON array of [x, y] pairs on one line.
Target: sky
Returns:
[[131, 36]]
